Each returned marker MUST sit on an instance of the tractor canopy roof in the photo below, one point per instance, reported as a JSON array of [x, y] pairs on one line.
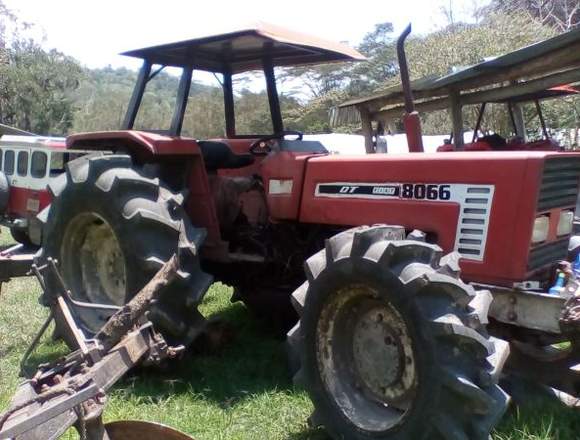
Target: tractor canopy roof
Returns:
[[245, 50]]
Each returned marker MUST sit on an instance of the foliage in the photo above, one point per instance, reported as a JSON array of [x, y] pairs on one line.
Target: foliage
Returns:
[[242, 391], [47, 92], [37, 86], [458, 45], [561, 15]]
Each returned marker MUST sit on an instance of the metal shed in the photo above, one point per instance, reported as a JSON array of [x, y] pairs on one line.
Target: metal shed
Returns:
[[531, 73]]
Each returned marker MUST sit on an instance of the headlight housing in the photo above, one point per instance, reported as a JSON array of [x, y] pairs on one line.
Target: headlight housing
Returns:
[[565, 223], [541, 228]]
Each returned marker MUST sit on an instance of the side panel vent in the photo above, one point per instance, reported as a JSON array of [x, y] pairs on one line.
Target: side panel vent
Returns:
[[475, 202]]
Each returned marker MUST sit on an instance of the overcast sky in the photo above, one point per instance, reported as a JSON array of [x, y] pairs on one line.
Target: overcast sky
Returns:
[[95, 31]]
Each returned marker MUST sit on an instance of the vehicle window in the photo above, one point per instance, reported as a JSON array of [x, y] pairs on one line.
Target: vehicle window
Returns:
[[9, 162], [38, 165], [204, 114], [158, 103], [251, 105], [22, 166], [57, 162]]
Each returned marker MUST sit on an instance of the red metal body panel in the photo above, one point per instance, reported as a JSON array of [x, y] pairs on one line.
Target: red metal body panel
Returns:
[[200, 205], [412, 124], [19, 206], [284, 166], [141, 143], [515, 175]]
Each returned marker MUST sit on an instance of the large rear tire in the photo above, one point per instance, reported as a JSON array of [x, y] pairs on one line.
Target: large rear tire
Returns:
[[111, 228], [391, 345]]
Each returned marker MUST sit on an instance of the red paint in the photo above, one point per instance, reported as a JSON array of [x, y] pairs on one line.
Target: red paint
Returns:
[[516, 176], [412, 124], [18, 200], [284, 166], [139, 142]]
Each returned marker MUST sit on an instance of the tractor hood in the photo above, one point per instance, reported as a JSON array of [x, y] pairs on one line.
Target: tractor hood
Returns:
[[482, 205]]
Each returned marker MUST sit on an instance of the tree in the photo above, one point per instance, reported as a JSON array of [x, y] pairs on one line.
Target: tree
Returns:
[[37, 89], [562, 15], [463, 44], [379, 48]]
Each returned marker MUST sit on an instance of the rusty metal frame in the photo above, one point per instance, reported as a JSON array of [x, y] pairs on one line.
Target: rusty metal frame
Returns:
[[527, 309], [72, 390]]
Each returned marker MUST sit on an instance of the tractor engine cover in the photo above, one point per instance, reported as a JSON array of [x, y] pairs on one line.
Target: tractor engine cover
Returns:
[[482, 205]]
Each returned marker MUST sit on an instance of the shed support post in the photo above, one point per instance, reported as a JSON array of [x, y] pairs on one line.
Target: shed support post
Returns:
[[519, 121], [457, 119], [367, 130]]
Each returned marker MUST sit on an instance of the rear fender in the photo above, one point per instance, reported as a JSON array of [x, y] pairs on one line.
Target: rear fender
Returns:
[[147, 147], [144, 146]]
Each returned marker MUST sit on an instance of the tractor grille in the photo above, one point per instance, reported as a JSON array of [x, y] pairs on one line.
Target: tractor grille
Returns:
[[559, 189], [548, 253], [559, 186]]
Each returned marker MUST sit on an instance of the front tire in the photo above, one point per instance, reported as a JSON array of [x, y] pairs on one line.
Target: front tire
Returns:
[[391, 344], [111, 228]]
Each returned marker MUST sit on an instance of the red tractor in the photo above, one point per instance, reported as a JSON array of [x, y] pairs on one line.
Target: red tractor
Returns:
[[391, 343]]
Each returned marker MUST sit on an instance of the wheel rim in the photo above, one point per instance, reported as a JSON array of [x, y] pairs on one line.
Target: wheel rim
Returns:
[[365, 358], [93, 264]]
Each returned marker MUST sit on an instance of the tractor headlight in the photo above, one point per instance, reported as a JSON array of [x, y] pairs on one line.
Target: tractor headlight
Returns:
[[565, 223], [541, 227]]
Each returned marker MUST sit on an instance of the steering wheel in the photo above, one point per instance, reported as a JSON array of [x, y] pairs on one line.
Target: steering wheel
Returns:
[[262, 147]]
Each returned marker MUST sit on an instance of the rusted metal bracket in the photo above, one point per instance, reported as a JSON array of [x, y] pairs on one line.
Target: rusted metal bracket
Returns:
[[528, 309], [72, 391]]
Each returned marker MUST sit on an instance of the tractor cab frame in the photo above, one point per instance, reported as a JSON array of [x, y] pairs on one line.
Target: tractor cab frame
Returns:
[[262, 48]]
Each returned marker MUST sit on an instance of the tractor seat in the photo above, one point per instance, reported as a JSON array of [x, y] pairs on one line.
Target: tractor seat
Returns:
[[218, 155]]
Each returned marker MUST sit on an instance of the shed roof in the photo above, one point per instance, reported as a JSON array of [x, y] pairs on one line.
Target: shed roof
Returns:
[[545, 59], [244, 50]]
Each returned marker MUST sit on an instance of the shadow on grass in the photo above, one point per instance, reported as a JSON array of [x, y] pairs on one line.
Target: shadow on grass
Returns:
[[253, 362], [546, 420], [48, 352], [536, 413]]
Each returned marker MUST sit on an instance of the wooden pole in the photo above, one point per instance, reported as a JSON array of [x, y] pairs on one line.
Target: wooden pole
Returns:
[[367, 129], [123, 321], [457, 119], [519, 121]]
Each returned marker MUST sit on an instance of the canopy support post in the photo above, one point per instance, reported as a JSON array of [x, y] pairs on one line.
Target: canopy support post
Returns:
[[273, 98], [228, 89]]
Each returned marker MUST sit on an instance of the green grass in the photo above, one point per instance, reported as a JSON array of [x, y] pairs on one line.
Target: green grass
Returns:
[[241, 392]]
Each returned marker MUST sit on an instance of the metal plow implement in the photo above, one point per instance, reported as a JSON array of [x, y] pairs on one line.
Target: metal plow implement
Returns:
[[71, 392]]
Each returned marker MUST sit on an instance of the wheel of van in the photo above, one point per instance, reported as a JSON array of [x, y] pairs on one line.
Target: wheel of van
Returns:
[[21, 236], [111, 229], [391, 345], [4, 193]]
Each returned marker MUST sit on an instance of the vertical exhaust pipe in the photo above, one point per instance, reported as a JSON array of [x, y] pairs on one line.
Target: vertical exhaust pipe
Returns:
[[411, 120]]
